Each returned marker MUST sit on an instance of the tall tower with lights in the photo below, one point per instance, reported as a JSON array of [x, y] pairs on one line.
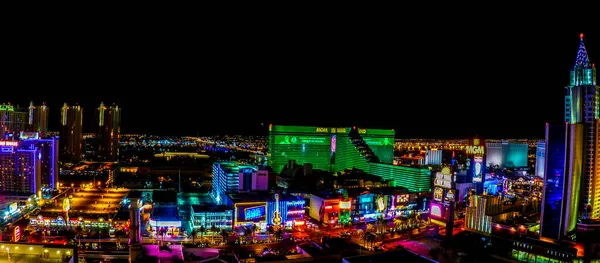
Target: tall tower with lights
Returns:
[[71, 134], [109, 128], [38, 119], [572, 186], [582, 115]]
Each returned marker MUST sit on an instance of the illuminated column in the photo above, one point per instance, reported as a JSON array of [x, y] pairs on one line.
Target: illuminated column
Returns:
[[594, 199], [573, 169], [135, 238]]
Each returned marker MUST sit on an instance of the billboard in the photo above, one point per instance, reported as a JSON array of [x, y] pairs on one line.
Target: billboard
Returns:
[[403, 198], [477, 169], [438, 193], [372, 141], [437, 210], [29, 135], [303, 139], [251, 212]]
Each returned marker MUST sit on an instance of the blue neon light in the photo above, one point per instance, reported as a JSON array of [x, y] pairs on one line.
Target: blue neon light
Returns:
[[254, 212]]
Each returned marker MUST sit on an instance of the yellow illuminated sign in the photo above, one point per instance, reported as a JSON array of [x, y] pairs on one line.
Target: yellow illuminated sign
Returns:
[[322, 130], [446, 171], [472, 149], [438, 222]]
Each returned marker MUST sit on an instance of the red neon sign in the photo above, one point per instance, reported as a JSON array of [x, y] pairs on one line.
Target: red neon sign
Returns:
[[328, 207]]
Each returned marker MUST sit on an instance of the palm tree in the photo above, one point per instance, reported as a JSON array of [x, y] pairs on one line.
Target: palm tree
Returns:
[[224, 234], [380, 223], [397, 224], [270, 230], [202, 230], [213, 230]]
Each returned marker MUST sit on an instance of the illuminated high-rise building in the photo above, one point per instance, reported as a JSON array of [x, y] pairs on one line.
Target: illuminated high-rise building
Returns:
[[572, 175], [337, 149], [582, 111], [48, 155], [13, 120], [21, 167], [71, 134], [109, 129], [38, 119]]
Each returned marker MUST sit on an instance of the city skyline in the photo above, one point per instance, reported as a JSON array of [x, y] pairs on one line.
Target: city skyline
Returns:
[[477, 89]]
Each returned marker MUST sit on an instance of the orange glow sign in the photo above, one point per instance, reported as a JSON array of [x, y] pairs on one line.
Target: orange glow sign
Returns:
[[328, 207], [345, 205], [9, 143]]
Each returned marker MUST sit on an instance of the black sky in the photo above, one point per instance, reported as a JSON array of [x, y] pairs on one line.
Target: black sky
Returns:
[[445, 81]]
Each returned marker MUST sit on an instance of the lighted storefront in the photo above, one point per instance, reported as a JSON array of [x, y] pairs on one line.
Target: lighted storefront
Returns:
[[250, 213], [286, 211], [387, 203], [324, 209], [218, 216]]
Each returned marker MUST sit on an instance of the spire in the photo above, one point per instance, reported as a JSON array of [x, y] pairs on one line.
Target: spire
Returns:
[[582, 55]]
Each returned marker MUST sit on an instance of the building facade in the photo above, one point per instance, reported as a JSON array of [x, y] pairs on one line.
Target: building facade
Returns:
[[506, 155], [48, 156], [572, 182], [231, 177], [254, 180], [553, 198], [329, 149], [582, 111], [109, 129], [71, 134], [433, 157], [38, 119], [337, 149], [21, 167], [540, 158], [13, 120]]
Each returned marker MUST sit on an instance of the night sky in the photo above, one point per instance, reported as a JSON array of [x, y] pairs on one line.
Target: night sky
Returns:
[[450, 81]]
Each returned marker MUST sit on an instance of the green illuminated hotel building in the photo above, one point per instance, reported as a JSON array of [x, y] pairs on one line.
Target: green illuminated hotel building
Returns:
[[336, 149]]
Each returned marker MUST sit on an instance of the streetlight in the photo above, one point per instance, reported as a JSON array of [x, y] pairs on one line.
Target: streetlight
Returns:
[[8, 252], [100, 220]]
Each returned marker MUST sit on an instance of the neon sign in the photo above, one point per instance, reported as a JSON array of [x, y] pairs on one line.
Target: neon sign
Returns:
[[436, 210], [345, 205], [333, 143], [9, 143], [380, 204], [477, 173], [252, 213], [17, 234], [438, 193], [471, 149], [402, 198], [450, 195], [322, 130]]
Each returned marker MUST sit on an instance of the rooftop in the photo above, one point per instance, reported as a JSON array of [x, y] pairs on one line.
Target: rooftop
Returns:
[[400, 255], [209, 208], [260, 197], [165, 197]]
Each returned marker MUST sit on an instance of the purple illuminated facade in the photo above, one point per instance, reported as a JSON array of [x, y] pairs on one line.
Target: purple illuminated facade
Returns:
[[257, 180], [29, 165], [49, 150], [21, 167]]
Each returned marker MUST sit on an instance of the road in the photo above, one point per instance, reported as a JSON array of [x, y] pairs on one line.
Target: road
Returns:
[[101, 202]]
